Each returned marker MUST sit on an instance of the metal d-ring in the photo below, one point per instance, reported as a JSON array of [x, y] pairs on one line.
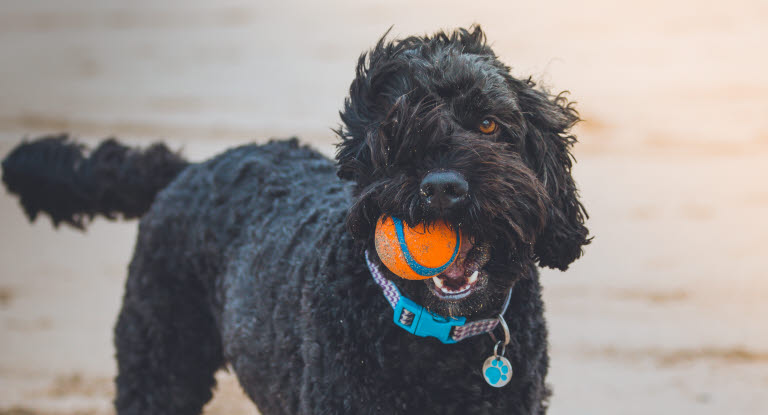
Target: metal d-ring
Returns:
[[504, 327], [506, 330], [496, 349], [502, 343]]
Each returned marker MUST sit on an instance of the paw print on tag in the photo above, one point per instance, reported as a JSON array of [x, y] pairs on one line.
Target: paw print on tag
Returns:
[[497, 371]]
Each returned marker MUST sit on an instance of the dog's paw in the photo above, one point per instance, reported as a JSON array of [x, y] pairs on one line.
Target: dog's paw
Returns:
[[497, 372]]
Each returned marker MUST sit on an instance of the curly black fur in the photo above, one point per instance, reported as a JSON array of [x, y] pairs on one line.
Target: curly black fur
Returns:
[[52, 175], [254, 258]]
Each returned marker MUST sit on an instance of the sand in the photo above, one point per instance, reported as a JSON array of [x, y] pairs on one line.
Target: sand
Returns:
[[664, 314]]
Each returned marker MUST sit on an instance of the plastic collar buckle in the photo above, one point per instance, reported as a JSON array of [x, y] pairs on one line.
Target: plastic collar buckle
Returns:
[[415, 319]]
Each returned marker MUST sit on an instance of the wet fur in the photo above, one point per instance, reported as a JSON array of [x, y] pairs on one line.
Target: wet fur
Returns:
[[253, 259]]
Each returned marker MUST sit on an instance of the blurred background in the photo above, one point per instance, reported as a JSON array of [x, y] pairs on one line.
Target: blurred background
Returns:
[[664, 314]]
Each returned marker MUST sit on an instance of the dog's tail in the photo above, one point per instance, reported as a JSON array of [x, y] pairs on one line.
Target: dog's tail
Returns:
[[53, 174]]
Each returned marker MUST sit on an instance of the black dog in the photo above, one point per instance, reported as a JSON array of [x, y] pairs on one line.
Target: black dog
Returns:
[[256, 258]]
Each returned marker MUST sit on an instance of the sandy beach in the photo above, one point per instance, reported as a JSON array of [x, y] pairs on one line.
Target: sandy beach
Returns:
[[665, 314]]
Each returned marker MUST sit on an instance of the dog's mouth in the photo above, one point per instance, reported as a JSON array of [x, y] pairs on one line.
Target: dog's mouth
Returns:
[[465, 275]]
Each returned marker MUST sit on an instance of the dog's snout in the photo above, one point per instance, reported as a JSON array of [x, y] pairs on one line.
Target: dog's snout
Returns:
[[444, 189]]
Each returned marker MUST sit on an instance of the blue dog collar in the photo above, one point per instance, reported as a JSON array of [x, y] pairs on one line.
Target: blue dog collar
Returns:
[[417, 320]]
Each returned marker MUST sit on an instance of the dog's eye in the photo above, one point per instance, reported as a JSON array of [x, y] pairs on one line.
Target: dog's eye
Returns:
[[487, 126]]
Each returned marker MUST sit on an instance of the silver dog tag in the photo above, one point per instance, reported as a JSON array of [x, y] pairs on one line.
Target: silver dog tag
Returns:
[[497, 371]]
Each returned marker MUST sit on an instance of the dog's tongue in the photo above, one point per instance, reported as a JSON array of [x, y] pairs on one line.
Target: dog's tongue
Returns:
[[456, 270]]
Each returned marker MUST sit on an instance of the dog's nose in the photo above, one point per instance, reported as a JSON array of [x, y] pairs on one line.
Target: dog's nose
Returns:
[[444, 189]]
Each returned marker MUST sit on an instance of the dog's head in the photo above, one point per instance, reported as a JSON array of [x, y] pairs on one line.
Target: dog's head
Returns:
[[437, 128]]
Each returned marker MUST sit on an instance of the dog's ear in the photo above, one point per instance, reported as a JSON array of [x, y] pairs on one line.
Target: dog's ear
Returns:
[[353, 153], [547, 146], [353, 156], [370, 97]]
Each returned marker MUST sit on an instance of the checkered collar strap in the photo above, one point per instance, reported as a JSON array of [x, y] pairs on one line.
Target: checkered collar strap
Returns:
[[415, 319]]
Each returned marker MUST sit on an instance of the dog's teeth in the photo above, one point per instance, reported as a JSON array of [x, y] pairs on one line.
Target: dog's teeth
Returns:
[[440, 285], [438, 282]]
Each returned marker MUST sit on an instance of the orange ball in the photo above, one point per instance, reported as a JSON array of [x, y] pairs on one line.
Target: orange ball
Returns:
[[416, 253]]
